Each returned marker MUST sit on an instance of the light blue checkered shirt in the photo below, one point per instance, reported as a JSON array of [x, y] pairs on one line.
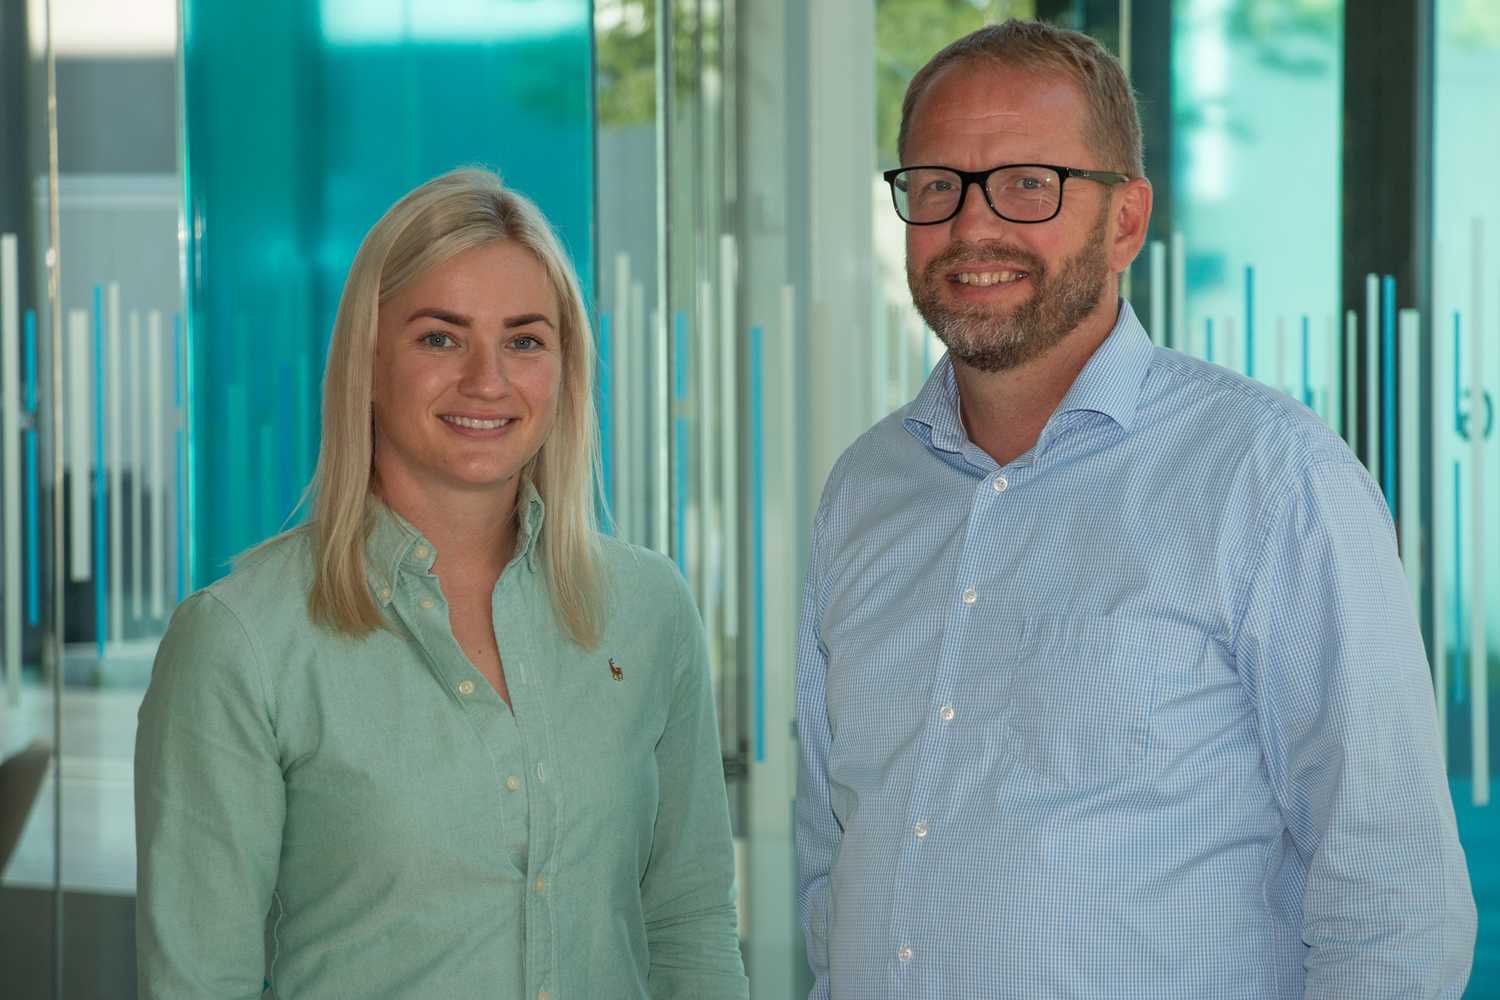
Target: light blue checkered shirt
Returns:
[[1144, 713]]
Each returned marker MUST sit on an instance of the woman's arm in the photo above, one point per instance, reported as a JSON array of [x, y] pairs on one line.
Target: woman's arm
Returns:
[[687, 895], [209, 805]]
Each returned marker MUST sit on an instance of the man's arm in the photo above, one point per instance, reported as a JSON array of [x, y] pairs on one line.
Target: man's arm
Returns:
[[1329, 650], [817, 830]]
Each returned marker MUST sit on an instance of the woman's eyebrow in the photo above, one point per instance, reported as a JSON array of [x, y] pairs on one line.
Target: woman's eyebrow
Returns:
[[456, 319]]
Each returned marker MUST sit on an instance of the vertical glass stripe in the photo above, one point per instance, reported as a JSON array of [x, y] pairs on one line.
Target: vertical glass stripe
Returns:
[[680, 437], [1460, 684], [1208, 339], [1307, 391], [758, 540], [1249, 321], [1458, 383], [33, 474], [28, 361], [101, 522], [1388, 391], [180, 459], [33, 539]]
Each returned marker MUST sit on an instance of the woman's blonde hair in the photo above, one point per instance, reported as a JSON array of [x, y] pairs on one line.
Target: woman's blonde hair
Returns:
[[458, 211]]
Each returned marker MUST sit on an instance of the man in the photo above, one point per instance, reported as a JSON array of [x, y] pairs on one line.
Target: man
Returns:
[[1108, 683]]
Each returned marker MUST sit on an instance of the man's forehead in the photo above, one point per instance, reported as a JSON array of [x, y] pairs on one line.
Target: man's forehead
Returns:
[[980, 97]]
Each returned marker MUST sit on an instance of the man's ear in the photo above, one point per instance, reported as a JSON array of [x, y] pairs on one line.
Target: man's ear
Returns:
[[1131, 215]]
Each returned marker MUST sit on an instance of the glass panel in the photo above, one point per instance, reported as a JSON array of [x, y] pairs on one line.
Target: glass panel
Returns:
[[1250, 82], [29, 856], [1465, 394], [101, 513], [304, 122]]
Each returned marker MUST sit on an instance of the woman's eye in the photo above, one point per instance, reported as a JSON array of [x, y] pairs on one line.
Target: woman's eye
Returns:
[[526, 342], [435, 339]]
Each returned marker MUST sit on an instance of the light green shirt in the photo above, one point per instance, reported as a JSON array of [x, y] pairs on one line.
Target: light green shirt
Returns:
[[366, 818]]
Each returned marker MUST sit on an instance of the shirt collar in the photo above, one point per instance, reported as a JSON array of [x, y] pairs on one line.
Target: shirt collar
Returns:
[[394, 543], [1110, 383]]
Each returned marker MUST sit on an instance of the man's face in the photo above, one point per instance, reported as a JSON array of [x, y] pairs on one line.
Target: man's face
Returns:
[[998, 293]]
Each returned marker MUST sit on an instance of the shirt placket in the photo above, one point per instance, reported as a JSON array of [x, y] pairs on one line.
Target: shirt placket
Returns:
[[511, 773], [517, 620], [967, 598]]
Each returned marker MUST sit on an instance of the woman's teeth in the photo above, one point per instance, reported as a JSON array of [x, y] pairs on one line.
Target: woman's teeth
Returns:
[[474, 423]]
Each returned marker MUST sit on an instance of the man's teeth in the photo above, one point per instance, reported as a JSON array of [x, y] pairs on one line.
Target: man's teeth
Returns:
[[988, 277], [478, 425]]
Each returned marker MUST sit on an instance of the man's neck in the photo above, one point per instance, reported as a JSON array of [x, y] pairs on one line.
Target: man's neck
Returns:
[[1004, 412]]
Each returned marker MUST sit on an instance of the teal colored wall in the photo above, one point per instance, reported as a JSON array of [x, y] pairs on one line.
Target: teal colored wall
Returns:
[[303, 122]]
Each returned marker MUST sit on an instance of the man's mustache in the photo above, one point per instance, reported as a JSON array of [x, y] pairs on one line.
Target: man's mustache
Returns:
[[1014, 257]]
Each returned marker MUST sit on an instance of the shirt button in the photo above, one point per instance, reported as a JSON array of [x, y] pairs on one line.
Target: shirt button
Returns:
[[429, 604], [423, 551], [512, 783], [544, 995], [385, 593], [541, 884], [971, 595], [946, 713], [465, 688], [922, 830], [904, 953], [1000, 483]]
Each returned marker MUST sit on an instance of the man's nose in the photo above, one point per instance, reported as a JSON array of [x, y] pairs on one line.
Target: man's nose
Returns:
[[975, 220]]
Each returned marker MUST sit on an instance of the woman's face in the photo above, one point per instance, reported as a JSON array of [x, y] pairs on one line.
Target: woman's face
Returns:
[[468, 366]]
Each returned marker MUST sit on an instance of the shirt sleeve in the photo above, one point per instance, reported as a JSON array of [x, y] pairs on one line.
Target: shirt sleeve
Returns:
[[687, 894], [1330, 653], [817, 829], [209, 809]]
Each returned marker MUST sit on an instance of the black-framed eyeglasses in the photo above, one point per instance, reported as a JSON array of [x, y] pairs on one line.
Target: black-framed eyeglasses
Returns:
[[1017, 192]]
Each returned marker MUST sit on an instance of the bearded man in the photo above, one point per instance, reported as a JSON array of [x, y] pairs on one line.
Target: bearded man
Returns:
[[1108, 680]]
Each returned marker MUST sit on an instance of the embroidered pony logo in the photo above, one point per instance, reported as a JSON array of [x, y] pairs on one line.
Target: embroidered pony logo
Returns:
[[615, 671]]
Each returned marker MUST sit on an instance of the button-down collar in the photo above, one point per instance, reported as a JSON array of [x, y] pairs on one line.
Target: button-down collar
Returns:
[[1110, 383], [395, 544]]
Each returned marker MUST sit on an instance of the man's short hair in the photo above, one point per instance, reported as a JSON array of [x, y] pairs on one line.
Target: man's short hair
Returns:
[[1113, 126]]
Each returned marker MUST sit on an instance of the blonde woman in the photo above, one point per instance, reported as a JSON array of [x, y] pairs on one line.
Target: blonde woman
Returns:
[[446, 740]]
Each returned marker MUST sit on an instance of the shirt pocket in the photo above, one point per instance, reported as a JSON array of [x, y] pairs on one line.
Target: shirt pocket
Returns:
[[1083, 692]]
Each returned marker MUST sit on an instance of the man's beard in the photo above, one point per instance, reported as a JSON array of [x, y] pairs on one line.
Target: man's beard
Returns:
[[990, 340]]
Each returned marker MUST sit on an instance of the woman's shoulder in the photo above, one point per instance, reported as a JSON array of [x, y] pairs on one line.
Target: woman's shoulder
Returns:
[[270, 582], [643, 584]]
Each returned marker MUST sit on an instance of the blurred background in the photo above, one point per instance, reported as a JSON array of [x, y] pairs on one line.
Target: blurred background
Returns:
[[183, 186]]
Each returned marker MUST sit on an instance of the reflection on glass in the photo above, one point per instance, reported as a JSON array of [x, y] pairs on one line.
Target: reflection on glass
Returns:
[[1465, 464]]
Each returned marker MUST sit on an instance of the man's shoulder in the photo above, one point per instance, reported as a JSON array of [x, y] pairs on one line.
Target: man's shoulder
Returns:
[[884, 448], [1217, 409]]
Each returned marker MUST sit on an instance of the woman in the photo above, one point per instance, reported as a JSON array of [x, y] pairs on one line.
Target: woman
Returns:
[[445, 740]]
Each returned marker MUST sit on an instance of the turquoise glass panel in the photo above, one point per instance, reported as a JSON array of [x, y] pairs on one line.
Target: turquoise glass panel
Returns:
[[303, 122], [1465, 395]]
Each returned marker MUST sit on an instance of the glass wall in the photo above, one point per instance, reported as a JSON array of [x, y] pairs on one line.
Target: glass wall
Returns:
[[1463, 460], [173, 242], [180, 199], [92, 440], [303, 123]]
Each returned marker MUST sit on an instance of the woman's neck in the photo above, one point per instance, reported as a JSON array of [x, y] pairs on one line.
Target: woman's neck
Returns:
[[474, 533]]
